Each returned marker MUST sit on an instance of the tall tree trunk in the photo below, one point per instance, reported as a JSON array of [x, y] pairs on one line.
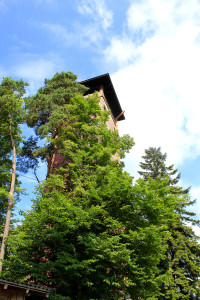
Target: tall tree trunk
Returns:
[[11, 194]]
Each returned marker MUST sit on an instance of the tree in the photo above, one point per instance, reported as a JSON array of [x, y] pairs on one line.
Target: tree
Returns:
[[79, 241], [26, 158], [154, 166], [5, 166], [179, 269], [46, 111], [84, 234], [12, 114]]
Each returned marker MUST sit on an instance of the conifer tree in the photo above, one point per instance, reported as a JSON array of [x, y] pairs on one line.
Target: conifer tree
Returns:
[[46, 112], [180, 267], [155, 165]]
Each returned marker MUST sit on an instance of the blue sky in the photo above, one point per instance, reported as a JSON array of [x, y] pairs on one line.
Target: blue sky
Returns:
[[151, 48]]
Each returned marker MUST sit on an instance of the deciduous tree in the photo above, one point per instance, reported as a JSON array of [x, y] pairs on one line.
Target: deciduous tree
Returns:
[[71, 239], [84, 234]]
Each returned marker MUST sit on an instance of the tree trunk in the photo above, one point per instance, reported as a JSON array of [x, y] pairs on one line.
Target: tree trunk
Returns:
[[36, 175], [11, 194]]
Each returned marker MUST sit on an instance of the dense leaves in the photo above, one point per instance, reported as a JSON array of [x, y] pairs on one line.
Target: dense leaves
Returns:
[[81, 235], [72, 238], [46, 111], [91, 233], [179, 270]]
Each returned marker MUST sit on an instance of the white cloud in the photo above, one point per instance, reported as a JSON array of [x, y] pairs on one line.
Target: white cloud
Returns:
[[35, 69], [118, 46], [157, 79], [83, 36], [60, 32], [161, 16], [195, 194], [90, 33], [98, 11], [196, 229]]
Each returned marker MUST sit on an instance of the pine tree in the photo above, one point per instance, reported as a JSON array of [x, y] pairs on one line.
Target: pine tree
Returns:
[[180, 267], [46, 112]]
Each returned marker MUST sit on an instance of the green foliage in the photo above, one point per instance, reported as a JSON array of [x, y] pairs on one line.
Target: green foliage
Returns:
[[179, 269], [58, 297], [11, 112], [46, 110], [89, 244], [26, 157], [57, 92], [155, 166], [91, 233], [83, 234]]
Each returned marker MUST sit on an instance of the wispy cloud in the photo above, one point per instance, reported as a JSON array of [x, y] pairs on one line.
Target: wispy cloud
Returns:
[[35, 69], [87, 31], [60, 32], [21, 42], [98, 11], [81, 36]]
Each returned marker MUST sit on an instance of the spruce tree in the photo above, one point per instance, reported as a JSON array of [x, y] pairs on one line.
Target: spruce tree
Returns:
[[180, 267], [155, 165]]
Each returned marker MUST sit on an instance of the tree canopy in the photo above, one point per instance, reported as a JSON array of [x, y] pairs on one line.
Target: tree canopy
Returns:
[[46, 111], [73, 236], [180, 265], [92, 232]]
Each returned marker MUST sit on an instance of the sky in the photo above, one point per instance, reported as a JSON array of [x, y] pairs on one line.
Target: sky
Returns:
[[150, 48]]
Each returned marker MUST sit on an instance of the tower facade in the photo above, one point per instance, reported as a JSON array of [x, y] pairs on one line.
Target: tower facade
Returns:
[[108, 98]]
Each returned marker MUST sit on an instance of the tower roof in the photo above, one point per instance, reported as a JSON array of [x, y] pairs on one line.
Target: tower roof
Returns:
[[95, 83]]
